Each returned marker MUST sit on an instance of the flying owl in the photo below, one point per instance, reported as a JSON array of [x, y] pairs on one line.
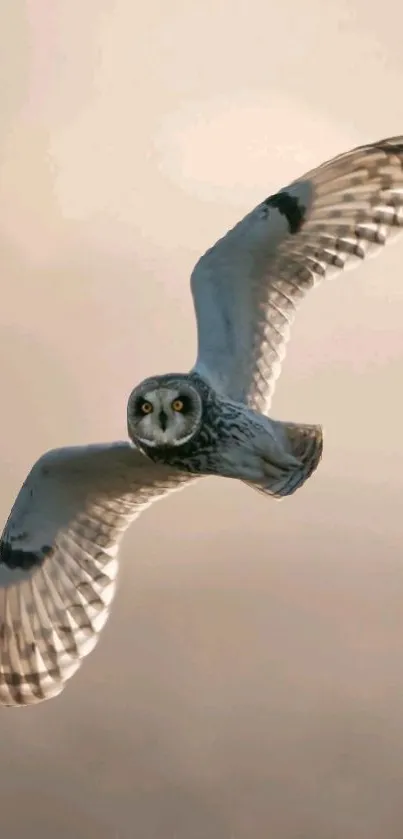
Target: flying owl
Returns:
[[59, 548]]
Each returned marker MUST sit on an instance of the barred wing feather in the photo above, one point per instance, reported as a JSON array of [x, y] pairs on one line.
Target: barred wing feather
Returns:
[[247, 287], [58, 560]]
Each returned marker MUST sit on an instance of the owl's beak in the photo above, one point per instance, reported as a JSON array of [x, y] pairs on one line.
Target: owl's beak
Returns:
[[163, 420]]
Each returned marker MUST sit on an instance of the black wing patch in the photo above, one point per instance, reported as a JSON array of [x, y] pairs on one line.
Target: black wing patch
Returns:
[[24, 560], [290, 207]]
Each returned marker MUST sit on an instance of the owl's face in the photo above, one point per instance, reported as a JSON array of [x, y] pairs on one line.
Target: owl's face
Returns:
[[164, 412]]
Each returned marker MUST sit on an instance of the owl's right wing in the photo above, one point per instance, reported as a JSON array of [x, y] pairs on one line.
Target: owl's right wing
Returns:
[[248, 286], [58, 560]]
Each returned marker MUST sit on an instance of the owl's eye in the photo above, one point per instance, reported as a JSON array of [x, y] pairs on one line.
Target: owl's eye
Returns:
[[177, 405], [146, 408]]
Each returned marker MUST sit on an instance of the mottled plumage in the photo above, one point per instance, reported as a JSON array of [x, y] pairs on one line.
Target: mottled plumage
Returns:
[[58, 552]]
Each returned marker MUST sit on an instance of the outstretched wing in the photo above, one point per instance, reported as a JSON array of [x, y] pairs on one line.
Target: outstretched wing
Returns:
[[247, 287], [58, 560]]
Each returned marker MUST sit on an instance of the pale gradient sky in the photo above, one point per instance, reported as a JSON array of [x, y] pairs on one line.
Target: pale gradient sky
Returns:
[[249, 683]]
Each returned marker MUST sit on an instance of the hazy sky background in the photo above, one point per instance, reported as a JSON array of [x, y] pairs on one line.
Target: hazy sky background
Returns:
[[249, 683]]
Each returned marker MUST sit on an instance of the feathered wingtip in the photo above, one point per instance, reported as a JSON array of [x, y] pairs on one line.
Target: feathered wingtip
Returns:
[[305, 442]]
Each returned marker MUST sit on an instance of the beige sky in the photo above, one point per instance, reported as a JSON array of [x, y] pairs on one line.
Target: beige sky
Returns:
[[249, 683]]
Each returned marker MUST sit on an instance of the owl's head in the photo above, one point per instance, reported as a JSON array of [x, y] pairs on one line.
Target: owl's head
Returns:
[[165, 411]]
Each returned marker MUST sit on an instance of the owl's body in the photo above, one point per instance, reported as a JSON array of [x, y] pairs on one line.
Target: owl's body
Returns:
[[59, 548], [189, 426]]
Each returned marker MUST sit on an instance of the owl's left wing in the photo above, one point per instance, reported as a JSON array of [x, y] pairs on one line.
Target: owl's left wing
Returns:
[[247, 287], [58, 560]]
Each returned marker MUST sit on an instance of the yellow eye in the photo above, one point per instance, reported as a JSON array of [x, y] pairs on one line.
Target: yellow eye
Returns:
[[177, 405], [147, 408]]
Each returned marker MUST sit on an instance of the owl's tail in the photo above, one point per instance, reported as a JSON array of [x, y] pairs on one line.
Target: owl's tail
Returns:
[[305, 442]]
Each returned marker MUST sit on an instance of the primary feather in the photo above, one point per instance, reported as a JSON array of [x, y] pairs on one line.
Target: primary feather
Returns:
[[247, 287], [58, 560]]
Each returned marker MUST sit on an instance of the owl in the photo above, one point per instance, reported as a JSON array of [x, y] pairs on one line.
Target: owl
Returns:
[[59, 548]]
